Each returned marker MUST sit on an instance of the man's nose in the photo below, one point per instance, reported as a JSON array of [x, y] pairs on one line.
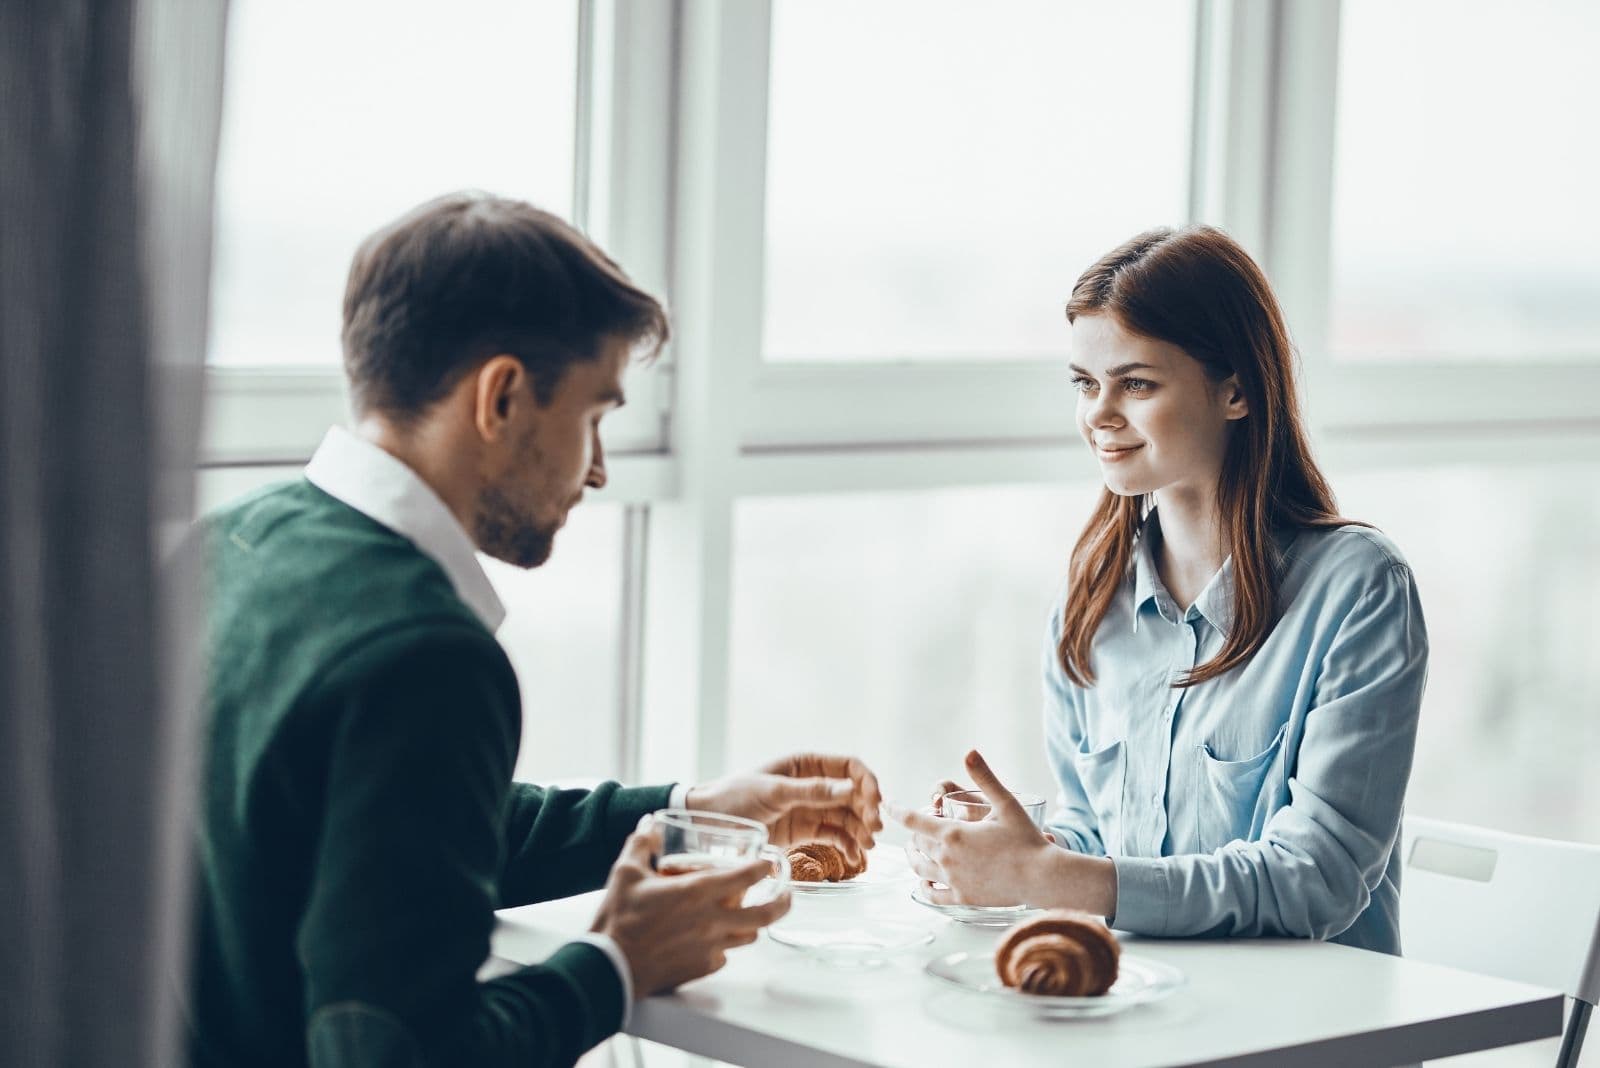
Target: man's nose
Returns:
[[597, 467]]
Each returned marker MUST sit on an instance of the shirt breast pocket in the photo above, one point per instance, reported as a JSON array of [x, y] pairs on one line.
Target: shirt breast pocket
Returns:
[[1102, 774], [1233, 798]]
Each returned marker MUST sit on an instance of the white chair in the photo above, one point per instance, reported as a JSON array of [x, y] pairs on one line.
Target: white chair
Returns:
[[1506, 905]]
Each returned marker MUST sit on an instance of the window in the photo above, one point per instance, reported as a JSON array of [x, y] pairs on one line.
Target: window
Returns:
[[338, 117], [562, 631], [905, 627], [1511, 721], [1465, 215], [939, 173]]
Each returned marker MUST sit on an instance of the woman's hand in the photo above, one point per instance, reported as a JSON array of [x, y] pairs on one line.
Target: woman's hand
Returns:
[[990, 862], [1003, 859], [949, 786]]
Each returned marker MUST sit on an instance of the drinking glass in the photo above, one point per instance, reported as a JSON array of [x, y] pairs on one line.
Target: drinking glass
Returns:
[[695, 841]]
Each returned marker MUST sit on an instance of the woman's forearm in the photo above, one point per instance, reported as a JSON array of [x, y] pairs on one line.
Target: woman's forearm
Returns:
[[1071, 880]]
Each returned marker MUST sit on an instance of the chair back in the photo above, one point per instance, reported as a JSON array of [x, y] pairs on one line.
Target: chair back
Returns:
[[1502, 904]]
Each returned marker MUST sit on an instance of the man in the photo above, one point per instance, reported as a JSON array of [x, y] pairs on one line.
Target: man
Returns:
[[360, 823]]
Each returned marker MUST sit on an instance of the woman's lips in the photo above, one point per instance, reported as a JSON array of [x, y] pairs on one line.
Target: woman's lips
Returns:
[[1113, 455]]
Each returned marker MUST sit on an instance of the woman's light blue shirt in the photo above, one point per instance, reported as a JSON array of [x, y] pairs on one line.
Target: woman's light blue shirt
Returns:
[[1265, 801]]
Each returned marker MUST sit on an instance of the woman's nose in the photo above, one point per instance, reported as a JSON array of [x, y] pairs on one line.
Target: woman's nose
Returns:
[[1101, 411]]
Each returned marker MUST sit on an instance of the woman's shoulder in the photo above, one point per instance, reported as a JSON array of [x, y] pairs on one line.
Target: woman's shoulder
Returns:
[[1352, 556]]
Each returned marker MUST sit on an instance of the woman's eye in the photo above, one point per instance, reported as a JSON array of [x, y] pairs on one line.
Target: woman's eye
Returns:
[[1082, 385], [1137, 385]]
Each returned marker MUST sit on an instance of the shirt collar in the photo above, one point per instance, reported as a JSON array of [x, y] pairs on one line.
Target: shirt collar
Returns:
[[1215, 602], [384, 489]]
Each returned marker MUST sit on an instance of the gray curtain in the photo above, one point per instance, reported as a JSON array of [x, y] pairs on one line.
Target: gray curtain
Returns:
[[109, 112]]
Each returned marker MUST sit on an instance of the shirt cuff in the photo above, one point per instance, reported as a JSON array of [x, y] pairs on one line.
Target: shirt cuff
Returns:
[[1142, 895], [679, 798], [608, 945]]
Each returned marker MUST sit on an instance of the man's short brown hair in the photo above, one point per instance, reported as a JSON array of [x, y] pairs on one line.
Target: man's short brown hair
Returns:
[[469, 276]]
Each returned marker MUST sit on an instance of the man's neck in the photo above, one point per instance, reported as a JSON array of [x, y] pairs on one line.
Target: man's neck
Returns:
[[423, 449]]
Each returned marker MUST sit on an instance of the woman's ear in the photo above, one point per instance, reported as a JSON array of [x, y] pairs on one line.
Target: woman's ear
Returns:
[[1234, 404], [499, 385]]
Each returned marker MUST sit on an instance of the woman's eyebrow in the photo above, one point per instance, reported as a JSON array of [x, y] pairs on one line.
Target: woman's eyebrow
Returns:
[[1119, 369]]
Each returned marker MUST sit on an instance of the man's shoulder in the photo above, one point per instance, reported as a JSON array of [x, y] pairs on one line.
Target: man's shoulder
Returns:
[[287, 511], [295, 567]]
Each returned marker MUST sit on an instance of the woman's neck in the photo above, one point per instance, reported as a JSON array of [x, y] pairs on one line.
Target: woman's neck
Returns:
[[1192, 546]]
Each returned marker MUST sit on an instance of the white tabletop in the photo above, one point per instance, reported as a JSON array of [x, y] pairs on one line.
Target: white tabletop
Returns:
[[1246, 1001]]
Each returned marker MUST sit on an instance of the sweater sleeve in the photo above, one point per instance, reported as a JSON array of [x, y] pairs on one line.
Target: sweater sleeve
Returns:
[[424, 727], [563, 842]]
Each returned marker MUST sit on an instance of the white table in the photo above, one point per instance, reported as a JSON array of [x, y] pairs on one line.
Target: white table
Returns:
[[1247, 1002]]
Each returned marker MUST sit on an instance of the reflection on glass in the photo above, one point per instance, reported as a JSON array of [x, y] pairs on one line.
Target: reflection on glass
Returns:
[[903, 627], [563, 634], [340, 116], [939, 172], [1508, 566], [1465, 201]]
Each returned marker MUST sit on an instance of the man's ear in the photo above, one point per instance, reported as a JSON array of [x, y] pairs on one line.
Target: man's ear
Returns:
[[499, 386], [1235, 406]]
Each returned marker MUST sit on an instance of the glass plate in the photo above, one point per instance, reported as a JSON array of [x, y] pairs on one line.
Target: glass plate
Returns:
[[868, 880], [874, 878], [1139, 980], [976, 915], [864, 943]]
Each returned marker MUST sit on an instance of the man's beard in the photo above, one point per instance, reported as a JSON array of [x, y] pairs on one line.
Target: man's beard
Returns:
[[507, 534]]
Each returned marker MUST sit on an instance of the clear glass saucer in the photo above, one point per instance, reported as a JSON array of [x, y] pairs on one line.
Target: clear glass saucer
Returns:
[[856, 943], [1139, 980], [976, 915]]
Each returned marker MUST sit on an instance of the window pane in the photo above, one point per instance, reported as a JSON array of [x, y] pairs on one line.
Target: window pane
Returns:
[[563, 633], [340, 116], [1465, 200], [940, 172], [1510, 732], [906, 628]]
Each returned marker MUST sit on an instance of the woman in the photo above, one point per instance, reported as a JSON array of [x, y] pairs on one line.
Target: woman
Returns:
[[1233, 679]]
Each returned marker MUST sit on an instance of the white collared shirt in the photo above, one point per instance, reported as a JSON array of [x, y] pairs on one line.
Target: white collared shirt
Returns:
[[386, 490]]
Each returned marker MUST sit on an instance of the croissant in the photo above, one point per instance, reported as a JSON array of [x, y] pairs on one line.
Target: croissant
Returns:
[[1062, 953], [819, 862]]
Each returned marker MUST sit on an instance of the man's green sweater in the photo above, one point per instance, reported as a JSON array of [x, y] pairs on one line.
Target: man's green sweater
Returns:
[[360, 824]]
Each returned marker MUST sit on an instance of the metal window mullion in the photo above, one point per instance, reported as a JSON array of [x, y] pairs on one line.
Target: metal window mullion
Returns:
[[631, 619]]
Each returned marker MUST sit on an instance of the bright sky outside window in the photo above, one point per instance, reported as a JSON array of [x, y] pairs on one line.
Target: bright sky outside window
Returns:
[[1465, 181], [340, 116], [905, 627], [939, 172], [563, 634], [1509, 699]]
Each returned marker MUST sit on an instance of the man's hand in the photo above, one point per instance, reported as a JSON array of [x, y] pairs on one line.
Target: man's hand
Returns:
[[808, 797], [674, 928]]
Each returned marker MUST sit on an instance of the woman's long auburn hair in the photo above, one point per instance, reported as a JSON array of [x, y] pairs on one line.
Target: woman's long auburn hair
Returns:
[[1197, 289]]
